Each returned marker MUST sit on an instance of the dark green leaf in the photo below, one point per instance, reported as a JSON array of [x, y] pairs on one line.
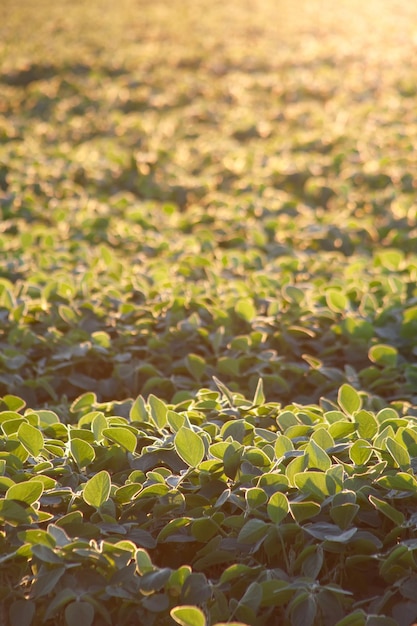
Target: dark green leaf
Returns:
[[78, 613], [22, 612]]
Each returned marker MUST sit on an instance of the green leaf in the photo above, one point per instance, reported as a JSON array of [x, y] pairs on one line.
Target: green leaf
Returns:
[[224, 390], [46, 581], [13, 513], [253, 531], [252, 597], [13, 403], [158, 411], [255, 497], [349, 399], [259, 397], [278, 507], [303, 610], [196, 588], [37, 537], [343, 514], [97, 490], [189, 446], [122, 436], [367, 424], [28, 492], [177, 579], [315, 483], [61, 599], [176, 420], [336, 300], [282, 445], [400, 481], [386, 509], [360, 451], [357, 618], [85, 401], [294, 467], [188, 616], [204, 529], [302, 511], [311, 561], [138, 411], [196, 365], [317, 457], [78, 613], [98, 424], [329, 532], [31, 438], [22, 612], [143, 562], [383, 354], [245, 309], [398, 452], [82, 452], [155, 580]]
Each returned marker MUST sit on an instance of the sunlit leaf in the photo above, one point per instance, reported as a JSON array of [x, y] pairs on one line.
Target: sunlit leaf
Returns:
[[97, 490], [349, 399], [398, 452], [360, 451], [383, 354], [122, 436], [28, 492], [188, 616], [277, 507], [31, 438], [336, 300], [82, 452], [158, 411], [189, 446]]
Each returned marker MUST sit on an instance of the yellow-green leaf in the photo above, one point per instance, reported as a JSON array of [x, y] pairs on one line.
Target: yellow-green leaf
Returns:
[[31, 438], [189, 446], [97, 489]]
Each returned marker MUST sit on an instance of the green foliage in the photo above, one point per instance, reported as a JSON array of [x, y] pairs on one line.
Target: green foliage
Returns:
[[207, 518], [208, 317]]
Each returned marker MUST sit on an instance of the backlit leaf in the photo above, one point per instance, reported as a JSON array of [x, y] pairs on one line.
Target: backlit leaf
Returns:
[[398, 452], [158, 411], [383, 354], [245, 309], [360, 451], [122, 436], [82, 452], [97, 490], [389, 511], [317, 457], [349, 399], [277, 507], [188, 616], [336, 300], [28, 492], [31, 439], [189, 446]]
